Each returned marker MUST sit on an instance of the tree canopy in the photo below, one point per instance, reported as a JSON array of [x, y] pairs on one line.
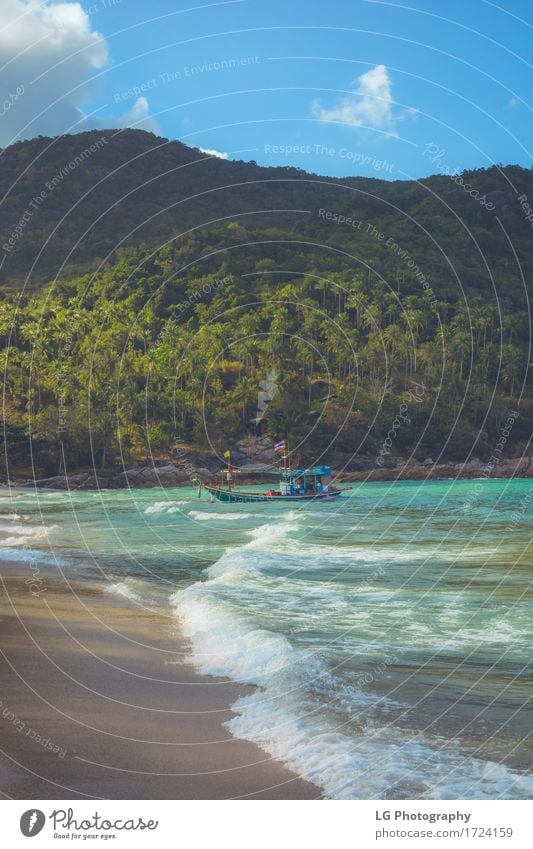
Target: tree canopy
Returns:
[[156, 303]]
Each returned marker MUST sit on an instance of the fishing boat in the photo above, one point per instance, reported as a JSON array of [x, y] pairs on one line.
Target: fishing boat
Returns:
[[298, 484]]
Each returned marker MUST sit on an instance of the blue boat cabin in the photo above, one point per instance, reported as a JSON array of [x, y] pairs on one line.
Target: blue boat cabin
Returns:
[[306, 481]]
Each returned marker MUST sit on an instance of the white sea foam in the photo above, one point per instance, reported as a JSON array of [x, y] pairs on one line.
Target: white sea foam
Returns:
[[295, 716], [244, 652], [360, 555], [294, 516], [25, 534], [267, 535], [382, 764], [166, 507], [285, 720], [200, 516], [131, 589]]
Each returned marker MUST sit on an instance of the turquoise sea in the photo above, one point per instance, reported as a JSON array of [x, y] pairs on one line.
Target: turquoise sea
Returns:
[[389, 633]]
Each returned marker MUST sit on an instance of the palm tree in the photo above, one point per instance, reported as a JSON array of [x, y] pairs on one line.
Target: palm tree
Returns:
[[371, 317], [429, 355], [513, 365], [243, 393], [461, 347]]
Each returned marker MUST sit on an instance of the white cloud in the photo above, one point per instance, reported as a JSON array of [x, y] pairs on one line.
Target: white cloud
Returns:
[[138, 117], [370, 105], [48, 55], [46, 49], [211, 152]]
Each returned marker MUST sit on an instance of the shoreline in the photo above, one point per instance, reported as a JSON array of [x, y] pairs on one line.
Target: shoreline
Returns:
[[521, 467], [99, 701], [170, 476]]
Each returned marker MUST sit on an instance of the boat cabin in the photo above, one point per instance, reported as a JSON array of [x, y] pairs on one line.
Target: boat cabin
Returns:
[[306, 481]]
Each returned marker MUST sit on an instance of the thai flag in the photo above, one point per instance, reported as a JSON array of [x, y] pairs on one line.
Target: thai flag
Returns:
[[279, 446]]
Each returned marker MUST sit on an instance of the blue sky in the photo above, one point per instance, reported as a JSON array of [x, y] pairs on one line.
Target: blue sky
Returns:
[[382, 89]]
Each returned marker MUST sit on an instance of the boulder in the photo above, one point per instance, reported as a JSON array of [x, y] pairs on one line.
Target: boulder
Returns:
[[203, 472], [252, 468], [133, 476], [166, 476], [366, 462], [57, 482], [515, 465], [81, 477], [152, 476], [253, 450]]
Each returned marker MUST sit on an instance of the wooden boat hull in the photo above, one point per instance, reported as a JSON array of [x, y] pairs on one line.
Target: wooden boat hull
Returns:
[[241, 497]]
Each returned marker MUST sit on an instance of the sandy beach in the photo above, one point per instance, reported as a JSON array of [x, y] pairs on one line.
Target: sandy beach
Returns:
[[97, 701]]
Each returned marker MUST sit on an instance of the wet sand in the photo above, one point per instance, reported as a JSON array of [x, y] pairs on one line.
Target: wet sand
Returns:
[[97, 701]]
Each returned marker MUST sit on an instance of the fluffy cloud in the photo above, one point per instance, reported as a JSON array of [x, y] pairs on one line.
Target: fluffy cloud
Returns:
[[138, 118], [370, 105], [212, 152], [49, 54]]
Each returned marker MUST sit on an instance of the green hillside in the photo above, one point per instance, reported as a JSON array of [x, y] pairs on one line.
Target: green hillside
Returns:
[[160, 288]]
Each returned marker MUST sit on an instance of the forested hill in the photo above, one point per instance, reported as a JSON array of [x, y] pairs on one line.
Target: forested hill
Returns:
[[157, 302], [69, 202]]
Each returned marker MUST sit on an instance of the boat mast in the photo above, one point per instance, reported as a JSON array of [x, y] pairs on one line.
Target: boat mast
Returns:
[[285, 462], [229, 476]]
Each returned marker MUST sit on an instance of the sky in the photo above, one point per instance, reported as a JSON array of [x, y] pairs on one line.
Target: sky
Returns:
[[393, 90]]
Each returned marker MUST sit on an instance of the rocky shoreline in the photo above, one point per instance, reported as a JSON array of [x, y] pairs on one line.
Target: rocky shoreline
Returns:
[[252, 457], [516, 467], [251, 470]]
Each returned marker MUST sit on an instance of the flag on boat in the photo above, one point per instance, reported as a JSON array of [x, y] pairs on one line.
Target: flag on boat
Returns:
[[279, 446], [227, 454]]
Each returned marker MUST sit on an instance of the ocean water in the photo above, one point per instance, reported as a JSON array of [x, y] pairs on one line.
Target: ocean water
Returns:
[[389, 633]]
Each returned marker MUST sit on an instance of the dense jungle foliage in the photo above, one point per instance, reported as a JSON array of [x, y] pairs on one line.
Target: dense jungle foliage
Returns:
[[144, 306]]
